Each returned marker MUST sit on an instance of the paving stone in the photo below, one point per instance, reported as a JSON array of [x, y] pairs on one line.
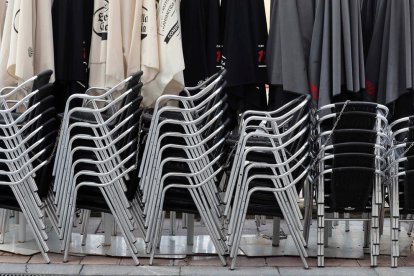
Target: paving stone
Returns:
[[130, 261], [145, 261], [55, 259], [289, 261], [406, 261], [129, 270], [223, 271], [69, 269], [181, 262], [330, 262], [329, 271], [402, 261], [160, 262], [388, 271], [243, 261], [100, 260], [29, 269], [12, 268], [204, 261], [14, 259], [383, 261]]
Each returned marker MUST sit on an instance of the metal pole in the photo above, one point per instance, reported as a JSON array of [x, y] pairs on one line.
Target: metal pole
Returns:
[[276, 231]]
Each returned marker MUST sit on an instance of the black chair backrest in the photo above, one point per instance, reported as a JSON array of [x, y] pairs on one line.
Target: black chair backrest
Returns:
[[353, 147], [49, 124], [43, 104], [409, 163], [135, 84], [42, 79], [133, 134], [344, 160], [134, 98], [44, 176], [44, 91], [351, 188], [408, 191], [356, 106], [135, 79], [354, 135], [351, 120]]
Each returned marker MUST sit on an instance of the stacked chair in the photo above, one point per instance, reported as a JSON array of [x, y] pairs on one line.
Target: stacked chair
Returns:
[[270, 165], [182, 163], [28, 130], [401, 175], [350, 141], [112, 156], [97, 162]]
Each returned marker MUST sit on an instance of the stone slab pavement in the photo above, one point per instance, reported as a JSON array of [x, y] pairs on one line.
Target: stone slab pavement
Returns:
[[79, 269], [195, 265]]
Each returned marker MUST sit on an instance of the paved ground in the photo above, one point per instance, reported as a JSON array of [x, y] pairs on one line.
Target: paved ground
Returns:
[[196, 265], [78, 269]]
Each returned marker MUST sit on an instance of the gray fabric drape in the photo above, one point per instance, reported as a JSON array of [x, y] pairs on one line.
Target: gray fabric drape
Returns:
[[390, 56], [336, 62], [288, 44]]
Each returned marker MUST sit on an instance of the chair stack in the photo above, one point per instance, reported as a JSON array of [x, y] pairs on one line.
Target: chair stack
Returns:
[[349, 151], [401, 176], [182, 162], [270, 164], [28, 130], [97, 163]]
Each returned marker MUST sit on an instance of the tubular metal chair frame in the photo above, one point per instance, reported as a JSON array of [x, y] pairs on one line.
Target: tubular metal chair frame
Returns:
[[321, 140], [200, 202], [275, 125], [115, 199], [155, 127], [240, 164], [188, 126]]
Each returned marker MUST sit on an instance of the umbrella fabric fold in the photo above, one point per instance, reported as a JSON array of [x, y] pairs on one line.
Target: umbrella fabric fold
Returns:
[[390, 56], [368, 15], [72, 41], [336, 62], [27, 41], [288, 49], [150, 64], [245, 38], [200, 25], [170, 78], [72, 38], [5, 78], [244, 54]]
